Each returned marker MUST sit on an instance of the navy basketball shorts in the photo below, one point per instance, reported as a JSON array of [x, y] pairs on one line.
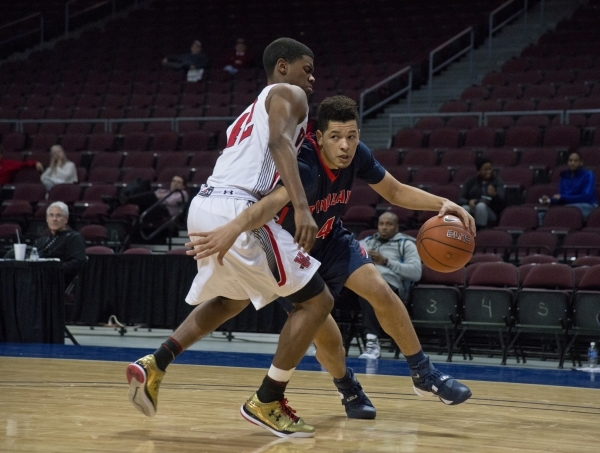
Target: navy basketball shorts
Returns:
[[340, 255]]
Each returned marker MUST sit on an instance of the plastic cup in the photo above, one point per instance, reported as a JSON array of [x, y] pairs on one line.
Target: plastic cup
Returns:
[[20, 251]]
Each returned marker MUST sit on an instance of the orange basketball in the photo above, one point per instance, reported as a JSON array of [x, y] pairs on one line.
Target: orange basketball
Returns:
[[444, 244]]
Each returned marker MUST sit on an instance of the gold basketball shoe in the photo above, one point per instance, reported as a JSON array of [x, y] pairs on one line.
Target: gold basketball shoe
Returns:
[[144, 378], [276, 417]]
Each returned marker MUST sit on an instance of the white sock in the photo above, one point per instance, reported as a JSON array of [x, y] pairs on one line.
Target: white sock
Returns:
[[280, 375], [371, 337]]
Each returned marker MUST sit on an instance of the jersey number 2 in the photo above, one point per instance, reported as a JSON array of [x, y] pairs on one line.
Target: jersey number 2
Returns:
[[326, 228], [243, 121]]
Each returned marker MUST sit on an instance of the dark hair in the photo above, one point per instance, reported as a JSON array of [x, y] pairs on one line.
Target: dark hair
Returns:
[[393, 216], [182, 178], [288, 49], [336, 108], [481, 161]]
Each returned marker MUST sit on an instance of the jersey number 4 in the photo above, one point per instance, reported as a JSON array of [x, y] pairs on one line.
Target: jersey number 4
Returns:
[[243, 122], [326, 228]]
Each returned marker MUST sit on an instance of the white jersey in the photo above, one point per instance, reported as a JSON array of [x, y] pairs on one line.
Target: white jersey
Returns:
[[246, 162]]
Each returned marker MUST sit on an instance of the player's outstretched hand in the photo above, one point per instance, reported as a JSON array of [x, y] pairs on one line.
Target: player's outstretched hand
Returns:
[[306, 229], [452, 208], [217, 241]]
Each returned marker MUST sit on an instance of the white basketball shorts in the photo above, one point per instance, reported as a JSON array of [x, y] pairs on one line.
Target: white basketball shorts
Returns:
[[262, 265]]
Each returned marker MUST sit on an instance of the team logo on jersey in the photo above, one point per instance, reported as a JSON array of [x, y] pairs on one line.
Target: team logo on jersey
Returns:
[[332, 198], [205, 191], [303, 260], [363, 252]]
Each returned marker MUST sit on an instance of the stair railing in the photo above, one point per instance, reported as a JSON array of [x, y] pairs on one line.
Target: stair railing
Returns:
[[468, 49]]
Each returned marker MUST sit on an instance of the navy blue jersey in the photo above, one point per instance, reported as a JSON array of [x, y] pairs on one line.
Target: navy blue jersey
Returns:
[[328, 191]]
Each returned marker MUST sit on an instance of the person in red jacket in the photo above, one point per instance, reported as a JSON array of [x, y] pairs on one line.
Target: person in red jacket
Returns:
[[240, 58], [9, 167]]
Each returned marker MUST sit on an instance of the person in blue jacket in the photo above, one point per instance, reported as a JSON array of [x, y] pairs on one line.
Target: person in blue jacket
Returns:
[[577, 187]]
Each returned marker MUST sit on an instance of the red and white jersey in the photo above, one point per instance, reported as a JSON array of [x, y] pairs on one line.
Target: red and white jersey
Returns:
[[246, 162]]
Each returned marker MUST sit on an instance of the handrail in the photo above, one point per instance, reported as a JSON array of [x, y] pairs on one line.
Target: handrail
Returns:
[[452, 58], [201, 118], [112, 121], [166, 224], [15, 22], [568, 113], [493, 29], [560, 113], [563, 115], [19, 123], [174, 121], [362, 113], [90, 8]]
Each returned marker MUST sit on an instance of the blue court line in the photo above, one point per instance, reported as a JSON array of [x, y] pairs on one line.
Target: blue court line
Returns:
[[568, 378]]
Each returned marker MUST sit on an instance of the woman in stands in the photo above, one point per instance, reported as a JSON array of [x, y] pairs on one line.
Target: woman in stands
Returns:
[[60, 171]]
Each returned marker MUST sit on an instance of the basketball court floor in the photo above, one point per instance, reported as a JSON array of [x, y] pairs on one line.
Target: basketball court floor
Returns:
[[64, 398]]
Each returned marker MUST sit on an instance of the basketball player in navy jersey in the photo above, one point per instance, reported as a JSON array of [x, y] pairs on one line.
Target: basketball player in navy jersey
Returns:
[[329, 163]]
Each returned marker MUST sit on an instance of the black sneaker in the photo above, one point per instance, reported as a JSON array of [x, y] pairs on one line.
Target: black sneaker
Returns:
[[355, 401], [427, 381]]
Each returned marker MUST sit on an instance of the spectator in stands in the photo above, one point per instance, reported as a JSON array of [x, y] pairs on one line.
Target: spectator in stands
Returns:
[[60, 171], [193, 63], [62, 242], [396, 258], [173, 199], [9, 167], [577, 187], [483, 194], [240, 58]]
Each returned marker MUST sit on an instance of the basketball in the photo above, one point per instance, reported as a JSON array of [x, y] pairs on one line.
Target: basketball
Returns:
[[444, 244]]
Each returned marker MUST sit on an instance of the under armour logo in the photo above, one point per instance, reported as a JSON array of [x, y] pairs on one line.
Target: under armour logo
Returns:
[[230, 192], [303, 260]]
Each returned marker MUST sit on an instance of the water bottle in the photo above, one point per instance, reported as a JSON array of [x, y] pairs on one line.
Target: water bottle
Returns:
[[35, 256], [592, 355]]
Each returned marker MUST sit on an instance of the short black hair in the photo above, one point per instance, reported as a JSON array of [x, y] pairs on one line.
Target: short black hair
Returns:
[[393, 216], [481, 161], [287, 48], [336, 108]]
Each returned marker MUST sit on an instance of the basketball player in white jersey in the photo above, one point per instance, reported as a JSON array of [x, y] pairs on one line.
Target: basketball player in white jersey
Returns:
[[265, 263]]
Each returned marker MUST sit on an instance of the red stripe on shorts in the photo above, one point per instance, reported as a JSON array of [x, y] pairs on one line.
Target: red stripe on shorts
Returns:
[[282, 276]]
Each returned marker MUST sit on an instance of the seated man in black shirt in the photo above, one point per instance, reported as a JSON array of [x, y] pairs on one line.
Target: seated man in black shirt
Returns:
[[62, 242], [194, 59]]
